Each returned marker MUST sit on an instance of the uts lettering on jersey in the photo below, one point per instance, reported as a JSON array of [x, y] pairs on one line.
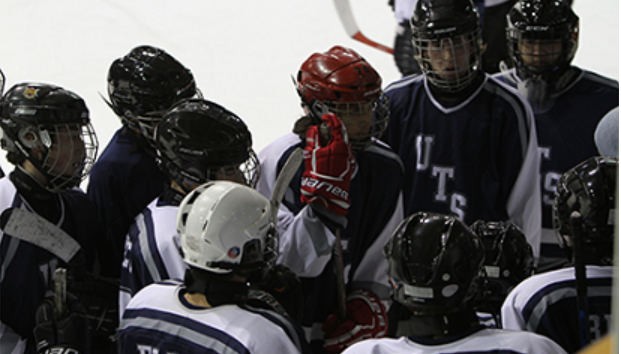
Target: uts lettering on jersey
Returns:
[[444, 191]]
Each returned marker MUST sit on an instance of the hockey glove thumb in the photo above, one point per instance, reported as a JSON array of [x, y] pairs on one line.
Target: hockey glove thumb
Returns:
[[366, 318], [329, 164], [69, 333]]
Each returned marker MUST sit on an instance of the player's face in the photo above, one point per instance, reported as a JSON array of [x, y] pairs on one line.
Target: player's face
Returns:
[[357, 118], [230, 173], [67, 154], [450, 57], [540, 52]]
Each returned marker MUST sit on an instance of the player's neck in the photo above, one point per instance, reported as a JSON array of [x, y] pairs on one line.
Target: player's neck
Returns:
[[451, 99], [198, 300]]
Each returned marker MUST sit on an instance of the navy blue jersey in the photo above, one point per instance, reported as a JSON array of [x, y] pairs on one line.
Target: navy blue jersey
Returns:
[[547, 304], [123, 181], [565, 136], [476, 159], [27, 270], [375, 212]]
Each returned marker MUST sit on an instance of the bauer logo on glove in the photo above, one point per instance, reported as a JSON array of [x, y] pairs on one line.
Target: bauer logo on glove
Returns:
[[329, 165]]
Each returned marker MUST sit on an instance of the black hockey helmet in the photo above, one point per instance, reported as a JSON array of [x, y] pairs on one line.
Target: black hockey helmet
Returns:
[[198, 139], [434, 263], [589, 188], [49, 126], [532, 23], [508, 259], [144, 84], [447, 25]]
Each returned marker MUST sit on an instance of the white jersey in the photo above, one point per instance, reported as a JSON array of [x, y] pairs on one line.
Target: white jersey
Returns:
[[483, 341], [546, 303], [151, 251], [160, 320]]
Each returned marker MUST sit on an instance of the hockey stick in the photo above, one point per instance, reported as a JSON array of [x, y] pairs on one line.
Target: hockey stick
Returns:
[[351, 27], [577, 235], [341, 291], [34, 229], [2, 79], [325, 135], [285, 176]]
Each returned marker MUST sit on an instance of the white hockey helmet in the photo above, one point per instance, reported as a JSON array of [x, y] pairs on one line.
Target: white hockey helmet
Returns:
[[226, 226]]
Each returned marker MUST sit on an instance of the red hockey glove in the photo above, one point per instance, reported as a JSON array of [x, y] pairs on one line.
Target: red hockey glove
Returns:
[[366, 318], [328, 167]]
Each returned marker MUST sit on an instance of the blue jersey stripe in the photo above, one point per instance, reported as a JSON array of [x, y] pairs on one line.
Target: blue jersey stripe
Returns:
[[172, 328]]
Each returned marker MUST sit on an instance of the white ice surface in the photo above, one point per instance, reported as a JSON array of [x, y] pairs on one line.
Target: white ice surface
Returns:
[[242, 52]]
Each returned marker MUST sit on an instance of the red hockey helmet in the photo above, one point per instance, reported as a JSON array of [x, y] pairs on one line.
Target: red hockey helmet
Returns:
[[343, 82]]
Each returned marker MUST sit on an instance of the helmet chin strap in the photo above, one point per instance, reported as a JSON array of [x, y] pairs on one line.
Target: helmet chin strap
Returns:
[[217, 291]]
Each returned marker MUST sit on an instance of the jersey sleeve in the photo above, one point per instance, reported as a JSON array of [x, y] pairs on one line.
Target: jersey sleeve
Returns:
[[305, 241], [524, 203]]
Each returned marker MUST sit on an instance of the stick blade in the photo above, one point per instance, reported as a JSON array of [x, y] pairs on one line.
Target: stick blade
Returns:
[[34, 229], [285, 176]]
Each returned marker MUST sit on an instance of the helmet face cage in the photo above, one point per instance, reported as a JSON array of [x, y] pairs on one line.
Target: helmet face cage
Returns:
[[449, 63], [434, 262], [246, 172], [446, 37], [590, 189], [542, 37], [342, 82], [226, 227], [364, 121], [508, 258], [190, 170], [71, 155]]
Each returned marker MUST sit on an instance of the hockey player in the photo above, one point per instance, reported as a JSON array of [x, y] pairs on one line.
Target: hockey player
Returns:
[[363, 204], [492, 23], [226, 237], [196, 141], [548, 303], [568, 101], [141, 86], [435, 263], [508, 261], [469, 141], [48, 137]]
